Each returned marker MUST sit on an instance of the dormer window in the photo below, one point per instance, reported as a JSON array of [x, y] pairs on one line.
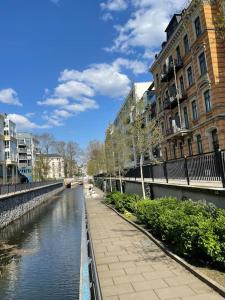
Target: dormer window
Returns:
[[198, 28]]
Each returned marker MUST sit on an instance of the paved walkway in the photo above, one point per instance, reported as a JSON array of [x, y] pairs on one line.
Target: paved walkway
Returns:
[[132, 267]]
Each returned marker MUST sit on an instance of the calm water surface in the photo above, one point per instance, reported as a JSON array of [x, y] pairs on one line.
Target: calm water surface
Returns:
[[41, 255]]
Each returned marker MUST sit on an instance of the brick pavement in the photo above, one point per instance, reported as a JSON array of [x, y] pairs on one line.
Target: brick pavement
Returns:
[[130, 266]]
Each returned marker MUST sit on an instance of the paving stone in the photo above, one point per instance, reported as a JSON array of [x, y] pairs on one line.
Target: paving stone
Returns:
[[107, 274], [106, 282], [117, 290], [138, 270], [107, 260], [150, 295], [200, 287], [158, 274], [112, 298], [211, 296], [121, 265], [171, 292], [128, 278], [149, 285], [185, 279], [101, 268]]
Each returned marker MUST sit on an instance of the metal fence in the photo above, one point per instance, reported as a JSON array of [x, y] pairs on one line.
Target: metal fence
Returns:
[[13, 188], [203, 168]]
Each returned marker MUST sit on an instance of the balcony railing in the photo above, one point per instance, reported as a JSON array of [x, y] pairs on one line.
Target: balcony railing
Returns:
[[176, 130], [171, 102], [169, 74]]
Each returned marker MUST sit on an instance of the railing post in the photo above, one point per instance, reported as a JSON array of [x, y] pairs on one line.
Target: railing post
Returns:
[[219, 166], [165, 171], [186, 170]]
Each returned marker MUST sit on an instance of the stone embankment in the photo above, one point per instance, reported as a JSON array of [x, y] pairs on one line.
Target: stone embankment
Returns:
[[13, 206]]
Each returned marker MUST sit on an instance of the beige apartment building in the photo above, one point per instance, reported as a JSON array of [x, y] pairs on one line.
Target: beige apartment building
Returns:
[[56, 166], [189, 76], [127, 113]]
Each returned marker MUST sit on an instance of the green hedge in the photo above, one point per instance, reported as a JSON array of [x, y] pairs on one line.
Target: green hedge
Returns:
[[194, 229]]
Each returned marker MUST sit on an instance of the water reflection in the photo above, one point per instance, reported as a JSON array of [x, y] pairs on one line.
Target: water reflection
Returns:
[[40, 253]]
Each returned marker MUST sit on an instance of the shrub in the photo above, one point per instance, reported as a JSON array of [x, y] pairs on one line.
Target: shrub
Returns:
[[194, 229]]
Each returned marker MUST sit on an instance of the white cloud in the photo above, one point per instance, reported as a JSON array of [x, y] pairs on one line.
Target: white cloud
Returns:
[[73, 89], [62, 113], [54, 102], [114, 5], [24, 123], [30, 114], [138, 67], [146, 25], [9, 96], [82, 106], [53, 120], [104, 79], [55, 1], [107, 17]]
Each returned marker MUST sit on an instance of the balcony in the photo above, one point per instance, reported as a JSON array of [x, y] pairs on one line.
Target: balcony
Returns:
[[176, 131], [171, 102], [169, 74]]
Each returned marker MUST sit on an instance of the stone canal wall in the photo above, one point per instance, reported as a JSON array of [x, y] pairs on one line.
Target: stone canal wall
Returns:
[[13, 207]]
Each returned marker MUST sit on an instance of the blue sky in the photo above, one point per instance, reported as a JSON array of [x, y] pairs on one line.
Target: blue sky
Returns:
[[66, 65]]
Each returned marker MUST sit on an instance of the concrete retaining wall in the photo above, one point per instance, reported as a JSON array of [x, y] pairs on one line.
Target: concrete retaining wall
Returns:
[[14, 206], [157, 190]]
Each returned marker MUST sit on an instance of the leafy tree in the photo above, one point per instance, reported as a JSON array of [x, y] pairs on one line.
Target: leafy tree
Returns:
[[145, 136], [96, 158]]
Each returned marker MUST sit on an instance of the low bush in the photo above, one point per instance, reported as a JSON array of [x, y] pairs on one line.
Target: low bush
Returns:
[[194, 229]]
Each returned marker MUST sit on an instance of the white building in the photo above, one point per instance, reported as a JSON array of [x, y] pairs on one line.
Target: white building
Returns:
[[10, 149], [127, 113], [2, 151], [27, 147], [56, 166]]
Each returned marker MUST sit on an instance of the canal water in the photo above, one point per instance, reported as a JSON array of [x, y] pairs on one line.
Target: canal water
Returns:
[[40, 252]]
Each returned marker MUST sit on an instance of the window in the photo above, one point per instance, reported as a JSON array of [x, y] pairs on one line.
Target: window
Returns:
[[215, 140], [198, 28], [181, 149], [178, 53], [186, 121], [202, 63], [194, 110], [190, 152], [182, 85], [186, 44], [190, 76], [170, 123], [174, 151], [6, 144], [177, 120], [207, 98], [170, 61], [166, 154], [199, 144]]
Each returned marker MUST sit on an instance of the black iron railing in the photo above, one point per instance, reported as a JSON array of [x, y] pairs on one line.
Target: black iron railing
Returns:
[[19, 187], [207, 167]]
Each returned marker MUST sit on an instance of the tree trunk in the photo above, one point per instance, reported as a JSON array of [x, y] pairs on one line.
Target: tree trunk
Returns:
[[142, 178], [121, 186], [111, 183]]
